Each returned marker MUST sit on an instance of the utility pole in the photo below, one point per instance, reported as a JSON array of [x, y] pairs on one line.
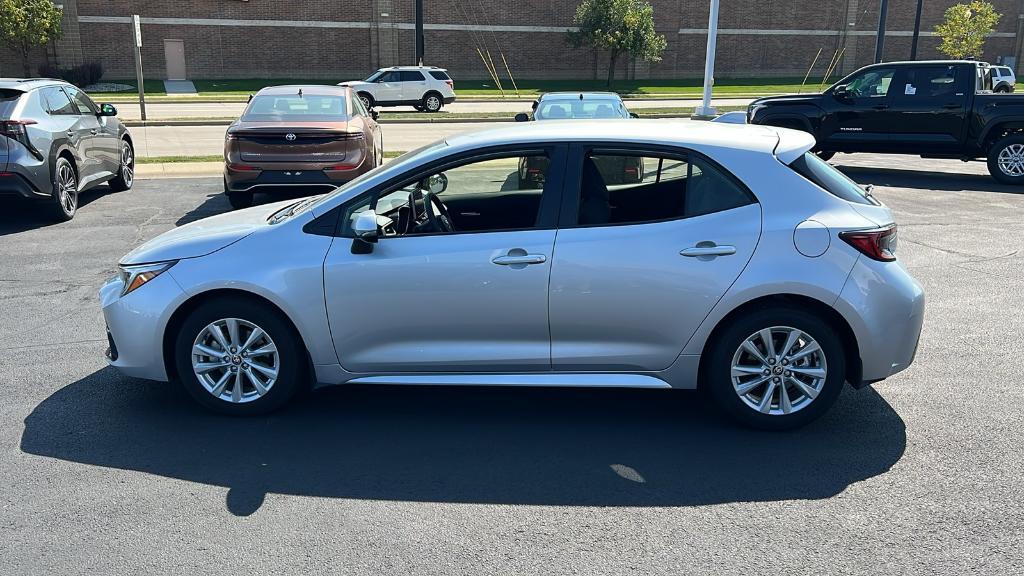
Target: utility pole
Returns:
[[880, 41], [419, 32], [917, 31], [705, 108], [137, 45]]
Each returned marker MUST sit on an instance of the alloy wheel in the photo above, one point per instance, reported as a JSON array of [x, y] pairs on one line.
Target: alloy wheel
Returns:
[[235, 360], [127, 164], [1011, 160], [433, 103], [778, 370], [67, 187]]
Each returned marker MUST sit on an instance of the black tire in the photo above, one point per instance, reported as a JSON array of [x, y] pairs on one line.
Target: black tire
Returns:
[[367, 100], [432, 102], [1004, 89], [418, 107], [825, 155], [291, 372], [126, 172], [993, 159], [63, 190], [238, 200], [718, 370]]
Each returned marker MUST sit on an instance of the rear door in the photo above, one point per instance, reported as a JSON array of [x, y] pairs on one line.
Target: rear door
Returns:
[[414, 85], [929, 107], [639, 265], [67, 125]]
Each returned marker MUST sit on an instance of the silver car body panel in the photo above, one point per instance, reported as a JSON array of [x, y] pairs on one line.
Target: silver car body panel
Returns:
[[434, 309]]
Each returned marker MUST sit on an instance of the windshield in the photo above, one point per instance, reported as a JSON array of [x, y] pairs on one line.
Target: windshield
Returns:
[[373, 77], [297, 108], [575, 108], [831, 180], [396, 164]]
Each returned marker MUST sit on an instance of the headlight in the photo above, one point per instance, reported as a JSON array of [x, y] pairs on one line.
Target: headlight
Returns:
[[134, 276]]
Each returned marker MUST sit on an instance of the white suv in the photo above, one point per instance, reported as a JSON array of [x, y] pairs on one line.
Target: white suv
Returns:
[[426, 88], [1003, 79]]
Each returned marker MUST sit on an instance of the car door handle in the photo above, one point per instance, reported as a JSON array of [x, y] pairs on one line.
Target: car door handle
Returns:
[[951, 106], [93, 131], [71, 132], [708, 250], [512, 260]]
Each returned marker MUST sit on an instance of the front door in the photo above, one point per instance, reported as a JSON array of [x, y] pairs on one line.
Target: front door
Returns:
[[174, 56], [389, 87], [439, 292], [859, 121], [931, 102], [104, 144], [640, 261]]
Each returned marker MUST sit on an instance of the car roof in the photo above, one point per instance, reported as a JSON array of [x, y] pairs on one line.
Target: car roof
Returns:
[[696, 134], [26, 84], [313, 89], [580, 96], [434, 68]]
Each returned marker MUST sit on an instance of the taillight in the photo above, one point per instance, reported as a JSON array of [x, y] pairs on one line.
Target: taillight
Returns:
[[877, 244], [450, 83], [15, 128], [231, 136], [243, 168], [340, 168]]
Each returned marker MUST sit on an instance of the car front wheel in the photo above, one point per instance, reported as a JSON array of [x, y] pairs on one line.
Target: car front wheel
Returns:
[[1006, 160], [239, 357], [776, 369]]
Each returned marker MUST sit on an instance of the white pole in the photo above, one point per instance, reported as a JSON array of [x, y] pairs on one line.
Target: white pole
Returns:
[[705, 108]]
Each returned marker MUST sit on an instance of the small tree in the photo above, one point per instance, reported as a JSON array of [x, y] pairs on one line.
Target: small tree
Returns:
[[26, 24], [965, 28], [620, 27]]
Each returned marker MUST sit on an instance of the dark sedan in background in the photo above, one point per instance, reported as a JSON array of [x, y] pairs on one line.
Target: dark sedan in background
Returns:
[[55, 142], [615, 169], [299, 138]]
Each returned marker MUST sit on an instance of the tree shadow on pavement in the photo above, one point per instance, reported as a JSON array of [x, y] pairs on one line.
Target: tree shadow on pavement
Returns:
[[535, 446], [927, 180]]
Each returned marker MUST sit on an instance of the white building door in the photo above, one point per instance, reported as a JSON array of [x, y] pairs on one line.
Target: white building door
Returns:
[[174, 54]]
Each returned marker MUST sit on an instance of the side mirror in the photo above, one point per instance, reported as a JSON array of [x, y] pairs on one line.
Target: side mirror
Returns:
[[366, 228], [841, 92], [374, 114], [522, 117], [437, 183], [634, 115], [107, 110]]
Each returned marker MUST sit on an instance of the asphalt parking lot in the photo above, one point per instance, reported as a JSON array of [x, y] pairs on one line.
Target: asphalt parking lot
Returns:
[[921, 474]]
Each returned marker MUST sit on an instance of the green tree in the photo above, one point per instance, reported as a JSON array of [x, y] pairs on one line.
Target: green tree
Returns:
[[619, 27], [26, 24], [965, 28]]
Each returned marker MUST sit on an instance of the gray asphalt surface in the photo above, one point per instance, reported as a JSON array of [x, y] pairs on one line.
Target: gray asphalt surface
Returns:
[[100, 474]]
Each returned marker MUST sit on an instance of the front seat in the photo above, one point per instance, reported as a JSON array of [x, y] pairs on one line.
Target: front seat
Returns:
[[595, 206]]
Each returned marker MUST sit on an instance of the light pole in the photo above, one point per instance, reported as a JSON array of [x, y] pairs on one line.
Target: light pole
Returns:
[[419, 32], [705, 108], [880, 41], [917, 31]]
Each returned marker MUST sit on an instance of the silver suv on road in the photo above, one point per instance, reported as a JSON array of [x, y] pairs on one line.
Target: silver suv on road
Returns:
[[738, 262], [55, 142]]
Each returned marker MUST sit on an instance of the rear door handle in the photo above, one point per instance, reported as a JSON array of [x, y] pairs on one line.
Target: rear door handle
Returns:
[[523, 259], [708, 250]]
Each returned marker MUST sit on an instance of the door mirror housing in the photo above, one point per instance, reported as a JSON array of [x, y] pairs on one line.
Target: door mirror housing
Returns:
[[374, 114], [841, 92], [634, 115], [107, 110], [366, 228], [522, 117]]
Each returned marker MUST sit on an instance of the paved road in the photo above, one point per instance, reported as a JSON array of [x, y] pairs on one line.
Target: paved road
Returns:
[[154, 111], [100, 474]]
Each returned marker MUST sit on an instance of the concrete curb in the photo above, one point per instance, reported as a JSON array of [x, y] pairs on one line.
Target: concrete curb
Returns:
[[202, 122]]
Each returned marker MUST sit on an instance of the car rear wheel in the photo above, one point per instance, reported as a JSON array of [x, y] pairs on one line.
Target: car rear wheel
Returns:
[[239, 357], [1006, 160], [64, 191], [432, 102], [126, 172], [366, 99], [776, 369]]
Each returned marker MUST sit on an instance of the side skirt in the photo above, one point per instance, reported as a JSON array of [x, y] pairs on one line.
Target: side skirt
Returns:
[[583, 380]]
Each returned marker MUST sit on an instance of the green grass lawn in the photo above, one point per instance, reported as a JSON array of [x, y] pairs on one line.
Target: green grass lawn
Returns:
[[239, 90]]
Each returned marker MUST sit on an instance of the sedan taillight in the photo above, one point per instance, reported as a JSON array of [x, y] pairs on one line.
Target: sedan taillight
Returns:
[[879, 244]]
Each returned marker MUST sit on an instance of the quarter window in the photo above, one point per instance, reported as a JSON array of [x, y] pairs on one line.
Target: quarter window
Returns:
[[440, 75], [631, 189]]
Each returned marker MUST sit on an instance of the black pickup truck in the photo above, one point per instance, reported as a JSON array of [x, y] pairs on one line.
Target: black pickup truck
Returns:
[[934, 109]]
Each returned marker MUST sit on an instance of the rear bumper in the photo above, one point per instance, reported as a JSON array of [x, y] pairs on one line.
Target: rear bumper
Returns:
[[448, 99], [14, 184], [270, 180]]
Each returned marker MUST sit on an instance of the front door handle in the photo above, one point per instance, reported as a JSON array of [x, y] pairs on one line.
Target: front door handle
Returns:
[[708, 249], [523, 259]]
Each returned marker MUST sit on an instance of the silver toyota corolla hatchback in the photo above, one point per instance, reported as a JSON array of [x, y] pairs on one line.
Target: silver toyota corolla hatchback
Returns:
[[738, 262]]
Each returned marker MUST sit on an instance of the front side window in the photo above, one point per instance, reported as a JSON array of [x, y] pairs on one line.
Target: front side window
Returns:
[[871, 84], [85, 104], [293, 107], [487, 195], [58, 103], [618, 188], [389, 77]]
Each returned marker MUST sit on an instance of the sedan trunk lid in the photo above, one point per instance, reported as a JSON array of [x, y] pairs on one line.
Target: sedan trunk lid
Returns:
[[301, 142]]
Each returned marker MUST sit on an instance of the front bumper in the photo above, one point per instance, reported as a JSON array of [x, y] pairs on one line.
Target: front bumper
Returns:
[[136, 324], [885, 307]]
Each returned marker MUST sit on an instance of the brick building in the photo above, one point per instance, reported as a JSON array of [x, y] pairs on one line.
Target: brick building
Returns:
[[334, 39]]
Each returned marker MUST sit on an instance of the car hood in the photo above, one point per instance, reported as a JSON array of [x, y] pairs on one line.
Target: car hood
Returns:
[[788, 99], [204, 236], [353, 83]]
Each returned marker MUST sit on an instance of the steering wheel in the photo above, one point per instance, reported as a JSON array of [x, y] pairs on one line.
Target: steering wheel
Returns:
[[437, 213]]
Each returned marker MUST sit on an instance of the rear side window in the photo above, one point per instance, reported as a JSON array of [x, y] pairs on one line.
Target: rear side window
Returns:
[[411, 76], [831, 180], [1005, 72], [440, 75], [931, 84], [288, 107], [8, 100], [58, 103]]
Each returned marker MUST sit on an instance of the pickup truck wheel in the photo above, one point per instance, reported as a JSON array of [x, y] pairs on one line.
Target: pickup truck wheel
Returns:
[[1006, 160]]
